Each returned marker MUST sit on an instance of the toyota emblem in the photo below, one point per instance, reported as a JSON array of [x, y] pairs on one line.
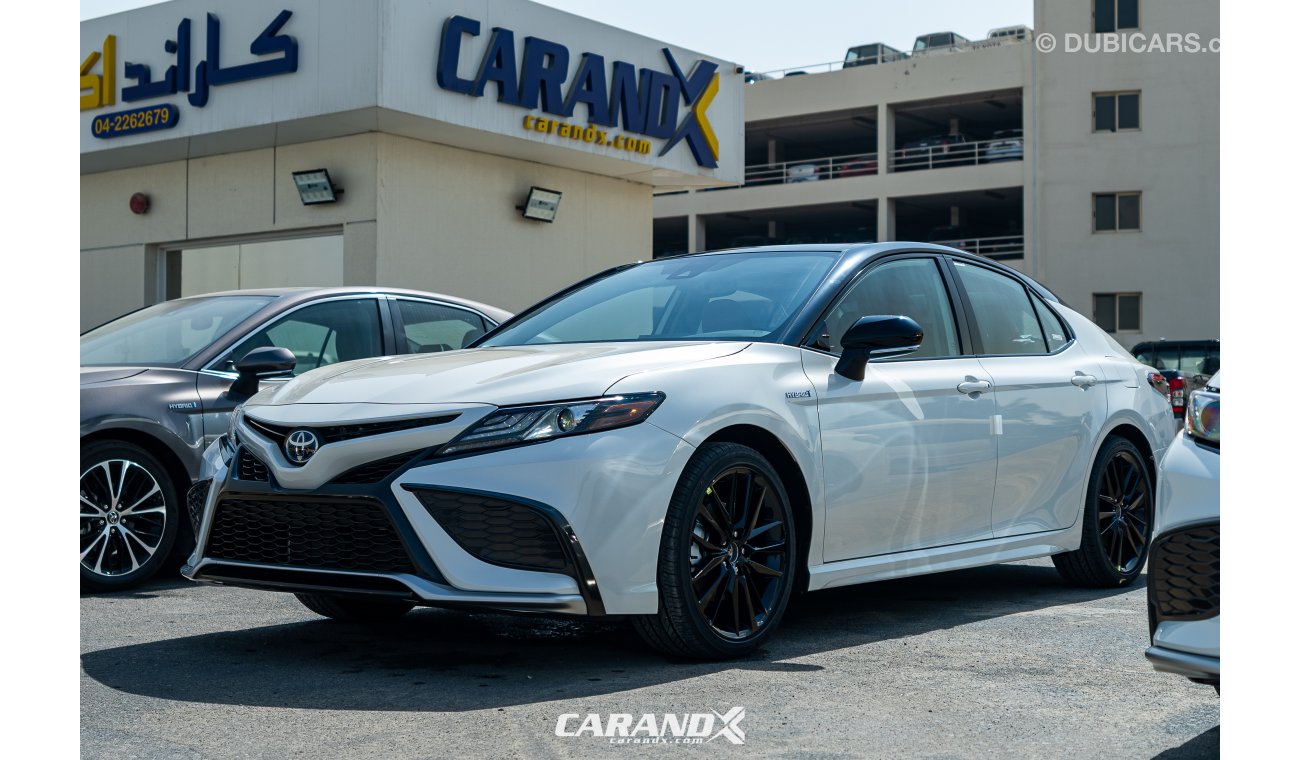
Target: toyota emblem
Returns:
[[300, 446]]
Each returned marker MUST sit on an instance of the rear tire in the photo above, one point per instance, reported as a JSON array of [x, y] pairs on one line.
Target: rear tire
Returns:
[[726, 557], [355, 609], [1117, 520]]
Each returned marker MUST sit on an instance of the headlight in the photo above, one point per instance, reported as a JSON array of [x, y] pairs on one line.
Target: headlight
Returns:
[[509, 426], [230, 441], [1203, 417]]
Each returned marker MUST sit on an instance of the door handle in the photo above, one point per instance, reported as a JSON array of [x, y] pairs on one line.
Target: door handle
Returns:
[[1084, 381], [974, 386]]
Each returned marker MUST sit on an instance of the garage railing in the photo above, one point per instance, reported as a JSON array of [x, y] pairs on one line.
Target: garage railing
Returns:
[[957, 154], [997, 248]]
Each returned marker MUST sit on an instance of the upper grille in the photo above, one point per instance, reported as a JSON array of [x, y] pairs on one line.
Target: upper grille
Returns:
[[373, 472], [1183, 574], [497, 531], [195, 498], [351, 534], [252, 468], [335, 433]]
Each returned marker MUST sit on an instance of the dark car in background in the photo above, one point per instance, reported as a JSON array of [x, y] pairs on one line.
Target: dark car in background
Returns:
[[936, 152], [867, 55], [156, 390], [1186, 364]]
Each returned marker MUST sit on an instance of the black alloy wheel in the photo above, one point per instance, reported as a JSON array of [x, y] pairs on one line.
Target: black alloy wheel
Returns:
[[129, 515], [727, 557], [1118, 519]]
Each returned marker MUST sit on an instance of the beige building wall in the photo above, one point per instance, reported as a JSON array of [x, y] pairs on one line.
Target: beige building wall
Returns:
[[448, 222], [412, 214], [1173, 159]]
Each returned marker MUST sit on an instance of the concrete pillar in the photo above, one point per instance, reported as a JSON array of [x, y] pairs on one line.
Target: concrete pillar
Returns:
[[886, 217], [953, 126], [884, 137], [775, 230], [773, 151], [695, 233]]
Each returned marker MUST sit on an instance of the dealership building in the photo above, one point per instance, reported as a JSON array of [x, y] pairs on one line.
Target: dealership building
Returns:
[[496, 150], [1084, 153]]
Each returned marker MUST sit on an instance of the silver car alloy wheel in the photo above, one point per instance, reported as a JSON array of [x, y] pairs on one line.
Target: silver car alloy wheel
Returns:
[[123, 517]]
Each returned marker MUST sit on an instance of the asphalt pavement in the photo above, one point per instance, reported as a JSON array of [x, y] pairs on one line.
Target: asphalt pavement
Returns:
[[1005, 661]]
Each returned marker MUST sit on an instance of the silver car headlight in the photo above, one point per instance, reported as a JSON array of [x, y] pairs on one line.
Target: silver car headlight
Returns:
[[1202, 422], [514, 425], [230, 441]]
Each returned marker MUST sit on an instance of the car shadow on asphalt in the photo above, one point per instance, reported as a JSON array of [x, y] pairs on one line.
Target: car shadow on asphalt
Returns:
[[1202, 747], [448, 661]]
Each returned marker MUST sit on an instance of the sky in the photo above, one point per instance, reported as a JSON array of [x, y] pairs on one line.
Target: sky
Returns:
[[766, 36]]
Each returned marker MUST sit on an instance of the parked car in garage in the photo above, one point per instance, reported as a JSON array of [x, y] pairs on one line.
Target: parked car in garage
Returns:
[[938, 42], [1005, 145], [936, 152], [688, 441], [1183, 575], [155, 391], [868, 55]]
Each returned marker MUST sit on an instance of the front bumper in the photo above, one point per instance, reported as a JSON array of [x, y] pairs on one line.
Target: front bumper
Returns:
[[1197, 667], [602, 497]]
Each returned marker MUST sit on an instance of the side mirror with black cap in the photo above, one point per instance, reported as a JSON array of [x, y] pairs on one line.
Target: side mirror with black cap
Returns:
[[876, 337], [260, 363]]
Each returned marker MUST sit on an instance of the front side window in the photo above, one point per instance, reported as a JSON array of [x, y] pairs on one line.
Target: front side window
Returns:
[[908, 287], [1115, 111], [1116, 312], [1005, 318], [432, 327], [320, 334], [725, 296], [1113, 212]]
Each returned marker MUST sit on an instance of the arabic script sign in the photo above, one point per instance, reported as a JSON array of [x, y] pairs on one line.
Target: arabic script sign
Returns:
[[100, 90]]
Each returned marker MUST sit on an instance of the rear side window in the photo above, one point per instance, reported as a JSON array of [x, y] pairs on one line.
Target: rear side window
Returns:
[[1006, 319], [1053, 330], [432, 327]]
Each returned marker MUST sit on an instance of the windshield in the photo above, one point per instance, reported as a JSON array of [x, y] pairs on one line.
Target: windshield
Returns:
[[166, 334], [729, 296]]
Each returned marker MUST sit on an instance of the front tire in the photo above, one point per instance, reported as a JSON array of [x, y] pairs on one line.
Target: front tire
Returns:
[[130, 511], [1117, 520], [355, 609], [726, 558]]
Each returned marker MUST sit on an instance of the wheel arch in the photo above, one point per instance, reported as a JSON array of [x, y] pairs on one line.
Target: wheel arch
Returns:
[[164, 453], [792, 478]]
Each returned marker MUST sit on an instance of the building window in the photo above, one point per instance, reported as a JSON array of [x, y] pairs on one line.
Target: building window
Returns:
[[1112, 212], [1114, 111], [1117, 312], [1114, 15]]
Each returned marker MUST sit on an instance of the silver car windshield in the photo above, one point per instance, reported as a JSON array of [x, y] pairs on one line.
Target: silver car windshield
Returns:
[[166, 334], [728, 296]]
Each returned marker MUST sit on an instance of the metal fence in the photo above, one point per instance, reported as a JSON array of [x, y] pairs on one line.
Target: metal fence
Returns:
[[999, 248], [945, 152]]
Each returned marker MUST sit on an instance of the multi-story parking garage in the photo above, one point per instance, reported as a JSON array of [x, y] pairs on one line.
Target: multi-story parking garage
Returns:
[[1094, 171]]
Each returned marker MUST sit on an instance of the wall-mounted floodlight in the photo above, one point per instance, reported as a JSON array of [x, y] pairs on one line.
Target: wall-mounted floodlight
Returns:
[[542, 204], [314, 187]]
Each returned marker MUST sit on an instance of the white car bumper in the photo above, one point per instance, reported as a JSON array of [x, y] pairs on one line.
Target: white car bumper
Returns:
[[1183, 571], [570, 525]]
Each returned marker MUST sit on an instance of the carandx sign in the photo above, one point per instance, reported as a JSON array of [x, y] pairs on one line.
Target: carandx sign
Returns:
[[669, 105]]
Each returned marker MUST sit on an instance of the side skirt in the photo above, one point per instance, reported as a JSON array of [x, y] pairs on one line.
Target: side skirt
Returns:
[[942, 559]]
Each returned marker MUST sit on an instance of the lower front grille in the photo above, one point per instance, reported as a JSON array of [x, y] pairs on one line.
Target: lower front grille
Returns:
[[1183, 574], [373, 472], [252, 468], [195, 498], [497, 531], [343, 534]]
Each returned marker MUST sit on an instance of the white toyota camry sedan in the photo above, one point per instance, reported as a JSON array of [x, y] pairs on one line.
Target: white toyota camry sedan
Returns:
[[688, 441]]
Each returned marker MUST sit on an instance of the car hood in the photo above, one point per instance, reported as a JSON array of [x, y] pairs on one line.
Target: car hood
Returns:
[[500, 375], [92, 375]]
